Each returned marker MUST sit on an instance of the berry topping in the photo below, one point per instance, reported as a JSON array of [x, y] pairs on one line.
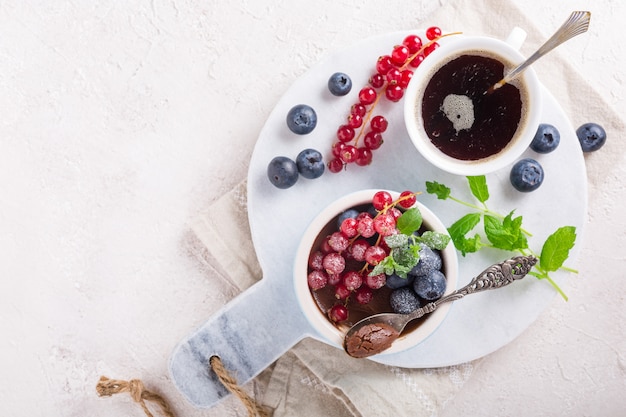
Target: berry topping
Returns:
[[317, 280], [395, 281], [429, 261], [338, 313], [591, 136], [334, 263], [310, 164], [546, 139], [282, 172], [526, 175], [339, 84], [364, 295], [352, 280], [338, 242], [430, 287], [301, 119], [381, 200], [404, 300]]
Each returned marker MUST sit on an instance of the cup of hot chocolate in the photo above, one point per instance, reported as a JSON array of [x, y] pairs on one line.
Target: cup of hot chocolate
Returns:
[[455, 122]]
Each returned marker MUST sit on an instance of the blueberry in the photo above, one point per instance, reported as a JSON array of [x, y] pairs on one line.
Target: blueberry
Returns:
[[310, 164], [431, 286], [282, 172], [526, 175], [394, 281], [546, 139], [591, 137], [339, 84], [301, 119], [429, 260], [404, 300], [350, 213]]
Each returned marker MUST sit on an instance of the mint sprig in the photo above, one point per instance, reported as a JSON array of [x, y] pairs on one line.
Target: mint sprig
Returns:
[[405, 246], [503, 232]]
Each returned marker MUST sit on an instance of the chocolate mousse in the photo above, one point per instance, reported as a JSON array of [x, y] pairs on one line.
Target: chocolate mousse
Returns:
[[371, 339]]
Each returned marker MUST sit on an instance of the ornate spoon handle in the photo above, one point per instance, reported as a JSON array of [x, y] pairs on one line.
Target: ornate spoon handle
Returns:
[[496, 276], [577, 23]]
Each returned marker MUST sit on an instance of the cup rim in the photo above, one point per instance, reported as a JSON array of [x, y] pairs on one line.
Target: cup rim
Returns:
[[413, 123], [326, 330]]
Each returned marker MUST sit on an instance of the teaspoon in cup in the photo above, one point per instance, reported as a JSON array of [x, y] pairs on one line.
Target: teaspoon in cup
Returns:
[[376, 333], [577, 23]]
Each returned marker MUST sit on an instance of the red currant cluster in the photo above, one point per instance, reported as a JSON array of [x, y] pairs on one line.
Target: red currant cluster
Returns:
[[346, 257], [393, 73]]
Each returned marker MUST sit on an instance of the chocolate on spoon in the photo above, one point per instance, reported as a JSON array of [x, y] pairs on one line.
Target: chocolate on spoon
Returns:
[[376, 333]]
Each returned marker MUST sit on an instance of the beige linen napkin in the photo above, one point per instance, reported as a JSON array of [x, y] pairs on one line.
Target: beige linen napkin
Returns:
[[314, 379]]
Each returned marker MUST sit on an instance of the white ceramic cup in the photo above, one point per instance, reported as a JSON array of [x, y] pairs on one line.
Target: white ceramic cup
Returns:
[[325, 329], [508, 53]]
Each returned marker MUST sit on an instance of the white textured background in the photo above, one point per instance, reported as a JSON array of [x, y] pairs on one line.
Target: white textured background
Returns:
[[120, 121]]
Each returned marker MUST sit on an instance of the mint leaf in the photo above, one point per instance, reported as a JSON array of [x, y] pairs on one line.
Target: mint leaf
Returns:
[[478, 186], [442, 191], [505, 234], [434, 240], [556, 248], [410, 221], [462, 227], [396, 241]]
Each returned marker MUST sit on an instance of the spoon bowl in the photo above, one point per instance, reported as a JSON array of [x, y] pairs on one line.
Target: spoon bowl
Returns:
[[377, 333]]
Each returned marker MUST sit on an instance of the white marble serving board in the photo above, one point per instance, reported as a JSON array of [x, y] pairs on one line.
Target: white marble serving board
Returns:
[[265, 321]]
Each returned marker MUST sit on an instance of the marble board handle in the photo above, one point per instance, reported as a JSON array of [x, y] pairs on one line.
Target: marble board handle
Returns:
[[248, 334]]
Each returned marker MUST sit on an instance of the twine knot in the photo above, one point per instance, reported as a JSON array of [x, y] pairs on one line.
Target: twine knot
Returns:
[[107, 387]]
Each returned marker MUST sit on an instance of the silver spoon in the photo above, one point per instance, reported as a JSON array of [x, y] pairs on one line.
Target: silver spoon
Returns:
[[577, 23], [376, 333]]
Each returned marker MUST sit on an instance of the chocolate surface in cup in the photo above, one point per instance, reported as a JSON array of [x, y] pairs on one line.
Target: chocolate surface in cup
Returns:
[[460, 119]]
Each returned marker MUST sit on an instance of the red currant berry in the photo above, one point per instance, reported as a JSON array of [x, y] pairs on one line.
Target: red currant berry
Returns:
[[384, 64], [385, 224], [405, 78], [407, 199], [358, 248], [315, 259], [334, 263], [433, 32], [338, 242], [358, 109], [367, 96], [399, 55], [381, 200], [335, 165], [334, 279], [337, 148], [415, 62], [341, 292], [373, 140], [317, 280], [366, 227], [325, 248], [377, 80], [413, 43], [355, 121], [430, 48], [345, 133], [338, 313], [379, 124], [364, 295], [348, 227], [375, 281], [393, 76], [394, 93], [374, 255], [395, 213], [364, 157], [352, 280], [348, 154]]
